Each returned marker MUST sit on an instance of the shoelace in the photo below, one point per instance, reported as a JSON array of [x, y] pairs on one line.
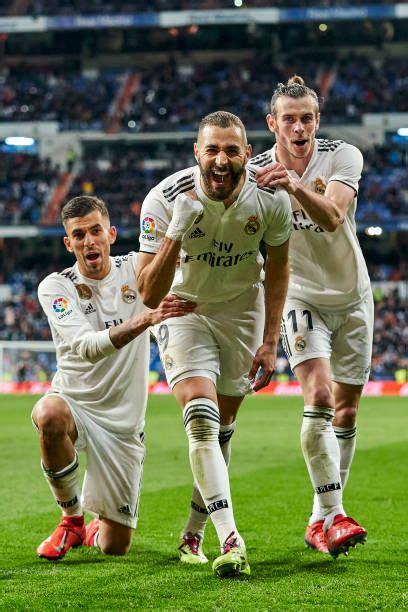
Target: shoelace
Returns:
[[230, 542], [193, 542]]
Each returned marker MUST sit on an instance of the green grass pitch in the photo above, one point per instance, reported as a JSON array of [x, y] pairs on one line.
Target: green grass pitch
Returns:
[[272, 498]]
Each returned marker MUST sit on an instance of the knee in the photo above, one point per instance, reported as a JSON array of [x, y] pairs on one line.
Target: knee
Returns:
[[345, 416], [115, 546], [51, 416]]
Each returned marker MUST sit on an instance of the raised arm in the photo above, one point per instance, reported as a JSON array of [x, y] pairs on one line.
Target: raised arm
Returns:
[[276, 285], [156, 270]]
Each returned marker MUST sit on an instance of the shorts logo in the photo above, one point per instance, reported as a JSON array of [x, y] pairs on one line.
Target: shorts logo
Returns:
[[300, 343], [61, 307], [128, 295], [319, 186], [252, 226], [125, 509]]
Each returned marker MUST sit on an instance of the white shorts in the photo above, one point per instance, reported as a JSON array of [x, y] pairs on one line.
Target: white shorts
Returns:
[[217, 341], [345, 338], [114, 467]]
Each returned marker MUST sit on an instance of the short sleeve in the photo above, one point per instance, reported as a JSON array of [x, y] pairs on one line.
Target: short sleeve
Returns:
[[347, 166], [280, 224], [154, 221]]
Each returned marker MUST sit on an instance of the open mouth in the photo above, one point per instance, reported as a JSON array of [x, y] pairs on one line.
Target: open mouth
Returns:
[[219, 177], [300, 143], [92, 256]]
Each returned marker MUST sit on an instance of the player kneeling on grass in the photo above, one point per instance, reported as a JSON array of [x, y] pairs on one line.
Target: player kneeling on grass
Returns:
[[97, 400]]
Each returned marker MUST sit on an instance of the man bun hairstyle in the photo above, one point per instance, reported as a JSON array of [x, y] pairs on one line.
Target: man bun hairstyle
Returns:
[[222, 119], [81, 206], [294, 88]]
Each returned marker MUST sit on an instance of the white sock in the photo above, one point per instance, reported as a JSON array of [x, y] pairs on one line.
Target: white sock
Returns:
[[65, 487], [202, 422], [198, 517], [346, 437], [322, 455]]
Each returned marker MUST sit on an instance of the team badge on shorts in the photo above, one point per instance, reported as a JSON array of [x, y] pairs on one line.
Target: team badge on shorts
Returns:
[[128, 295], [319, 186], [168, 362], [84, 292], [252, 225], [300, 343]]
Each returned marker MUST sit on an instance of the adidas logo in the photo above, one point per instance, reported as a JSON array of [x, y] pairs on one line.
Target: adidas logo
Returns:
[[197, 233], [89, 309], [125, 510]]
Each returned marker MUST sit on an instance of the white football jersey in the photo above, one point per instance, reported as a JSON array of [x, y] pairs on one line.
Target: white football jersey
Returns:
[[109, 384], [327, 268], [220, 257]]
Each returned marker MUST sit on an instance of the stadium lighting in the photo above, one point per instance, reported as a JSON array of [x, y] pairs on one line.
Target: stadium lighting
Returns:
[[238, 3], [373, 230], [323, 27], [19, 141], [402, 132]]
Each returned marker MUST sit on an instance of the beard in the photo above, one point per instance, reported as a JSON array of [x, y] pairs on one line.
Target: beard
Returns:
[[223, 191]]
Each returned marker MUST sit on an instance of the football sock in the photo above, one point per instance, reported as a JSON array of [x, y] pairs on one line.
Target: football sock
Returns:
[[202, 423], [65, 487], [198, 517], [346, 437], [322, 455]]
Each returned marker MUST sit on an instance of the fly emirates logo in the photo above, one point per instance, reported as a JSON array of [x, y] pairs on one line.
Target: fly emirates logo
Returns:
[[302, 222], [220, 255]]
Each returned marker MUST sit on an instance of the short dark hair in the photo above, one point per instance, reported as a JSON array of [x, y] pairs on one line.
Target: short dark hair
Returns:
[[81, 206], [222, 119], [294, 88]]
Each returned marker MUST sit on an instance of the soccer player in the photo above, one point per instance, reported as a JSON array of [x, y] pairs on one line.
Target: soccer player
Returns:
[[98, 395], [327, 323], [201, 230]]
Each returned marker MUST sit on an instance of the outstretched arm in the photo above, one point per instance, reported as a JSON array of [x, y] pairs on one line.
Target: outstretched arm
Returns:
[[276, 286], [171, 306]]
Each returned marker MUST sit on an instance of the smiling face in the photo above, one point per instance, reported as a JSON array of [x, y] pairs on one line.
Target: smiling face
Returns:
[[222, 154], [294, 125], [89, 238]]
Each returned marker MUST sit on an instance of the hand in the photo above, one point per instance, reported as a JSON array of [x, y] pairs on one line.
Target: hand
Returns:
[[276, 175], [171, 306], [263, 366], [185, 212]]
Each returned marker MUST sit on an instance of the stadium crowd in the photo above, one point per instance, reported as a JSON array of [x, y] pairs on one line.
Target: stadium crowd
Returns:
[[358, 85], [124, 176]]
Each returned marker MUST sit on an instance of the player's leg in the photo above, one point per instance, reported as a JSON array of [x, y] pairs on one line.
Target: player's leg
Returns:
[[110, 537], [306, 339], [198, 399], [319, 444], [112, 484], [55, 424], [347, 398], [351, 360], [193, 532]]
